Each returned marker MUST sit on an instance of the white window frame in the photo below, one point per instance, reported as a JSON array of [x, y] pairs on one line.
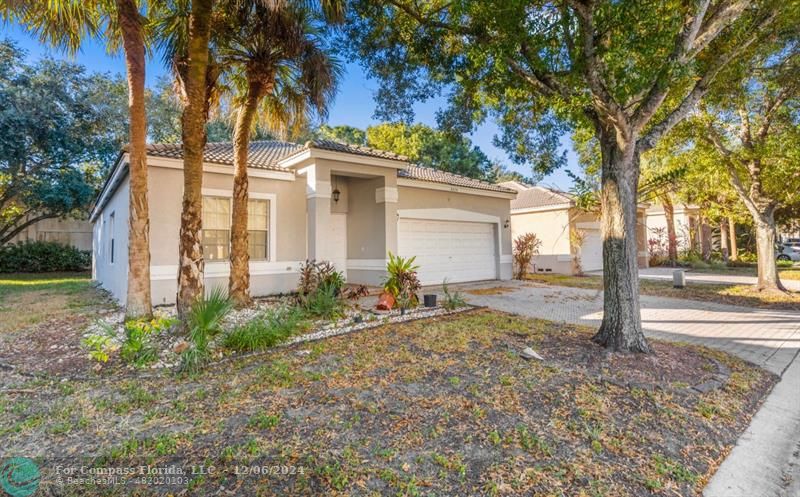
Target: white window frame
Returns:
[[112, 221], [272, 198]]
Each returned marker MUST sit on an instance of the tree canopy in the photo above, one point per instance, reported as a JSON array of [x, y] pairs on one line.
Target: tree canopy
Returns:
[[60, 130]]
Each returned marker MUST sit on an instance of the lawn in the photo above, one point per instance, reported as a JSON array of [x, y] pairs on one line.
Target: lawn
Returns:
[[441, 406], [31, 299], [743, 295], [786, 273]]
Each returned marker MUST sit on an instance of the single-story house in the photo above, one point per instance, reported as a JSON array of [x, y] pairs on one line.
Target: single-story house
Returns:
[[553, 217], [686, 223], [321, 200]]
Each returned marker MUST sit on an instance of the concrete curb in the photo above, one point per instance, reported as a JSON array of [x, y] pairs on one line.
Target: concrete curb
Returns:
[[766, 459]]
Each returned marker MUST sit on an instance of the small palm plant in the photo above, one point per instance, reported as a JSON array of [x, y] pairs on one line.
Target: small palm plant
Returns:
[[204, 321], [402, 282]]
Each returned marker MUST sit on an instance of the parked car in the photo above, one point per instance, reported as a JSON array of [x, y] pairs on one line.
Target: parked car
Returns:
[[789, 252]]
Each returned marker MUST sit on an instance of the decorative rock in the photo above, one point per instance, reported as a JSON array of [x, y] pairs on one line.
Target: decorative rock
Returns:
[[528, 353], [180, 347]]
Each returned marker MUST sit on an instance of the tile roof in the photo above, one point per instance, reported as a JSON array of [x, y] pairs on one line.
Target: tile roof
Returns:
[[267, 154], [539, 196], [437, 176]]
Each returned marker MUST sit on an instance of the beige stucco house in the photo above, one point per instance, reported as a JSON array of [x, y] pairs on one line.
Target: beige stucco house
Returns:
[[552, 216], [686, 223], [323, 200]]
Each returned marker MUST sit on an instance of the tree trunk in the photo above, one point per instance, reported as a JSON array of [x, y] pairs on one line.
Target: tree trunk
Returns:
[[732, 231], [621, 329], [705, 240], [139, 302], [190, 265], [672, 238], [723, 240], [239, 282], [765, 250]]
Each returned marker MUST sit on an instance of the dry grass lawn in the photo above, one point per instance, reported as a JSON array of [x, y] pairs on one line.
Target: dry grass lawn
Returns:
[[440, 407], [30, 299]]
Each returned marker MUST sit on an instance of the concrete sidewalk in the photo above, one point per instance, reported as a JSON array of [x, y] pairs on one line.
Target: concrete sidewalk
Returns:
[[665, 273]]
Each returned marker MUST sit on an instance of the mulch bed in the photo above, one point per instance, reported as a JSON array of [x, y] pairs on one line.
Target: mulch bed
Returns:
[[442, 406]]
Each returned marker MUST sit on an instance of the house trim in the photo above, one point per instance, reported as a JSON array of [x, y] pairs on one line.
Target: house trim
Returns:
[[223, 268], [429, 185], [315, 153], [544, 208]]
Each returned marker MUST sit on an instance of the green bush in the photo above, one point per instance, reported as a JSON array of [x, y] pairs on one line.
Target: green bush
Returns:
[[267, 330], [137, 347], [324, 303], [43, 257]]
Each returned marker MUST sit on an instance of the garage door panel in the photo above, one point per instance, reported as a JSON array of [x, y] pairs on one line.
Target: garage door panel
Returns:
[[458, 251]]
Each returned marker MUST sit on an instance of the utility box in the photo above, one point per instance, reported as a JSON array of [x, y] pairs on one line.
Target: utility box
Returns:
[[678, 278]]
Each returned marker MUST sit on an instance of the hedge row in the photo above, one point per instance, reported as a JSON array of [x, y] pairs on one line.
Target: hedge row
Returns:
[[42, 257]]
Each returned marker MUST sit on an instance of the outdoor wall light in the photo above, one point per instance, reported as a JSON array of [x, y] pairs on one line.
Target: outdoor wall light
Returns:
[[506, 224], [336, 194]]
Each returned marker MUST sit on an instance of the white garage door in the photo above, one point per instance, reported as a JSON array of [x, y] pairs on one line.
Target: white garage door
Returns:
[[592, 251], [458, 251]]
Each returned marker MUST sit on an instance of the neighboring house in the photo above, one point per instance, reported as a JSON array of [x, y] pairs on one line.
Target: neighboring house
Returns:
[[73, 232], [323, 200], [552, 216], [686, 222]]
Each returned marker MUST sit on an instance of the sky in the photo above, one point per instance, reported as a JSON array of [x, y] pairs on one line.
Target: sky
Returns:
[[354, 103]]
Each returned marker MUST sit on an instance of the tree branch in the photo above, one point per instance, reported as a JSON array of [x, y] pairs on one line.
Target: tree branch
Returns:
[[6, 238], [699, 90], [718, 21], [417, 16], [658, 89]]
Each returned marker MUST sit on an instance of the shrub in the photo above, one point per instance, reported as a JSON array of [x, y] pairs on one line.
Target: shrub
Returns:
[[525, 248], [204, 321], [100, 345], [314, 275], [452, 300], [267, 330], [402, 281], [43, 257], [324, 303], [137, 347]]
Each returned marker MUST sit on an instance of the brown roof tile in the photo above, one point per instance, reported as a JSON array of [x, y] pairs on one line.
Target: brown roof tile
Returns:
[[539, 196]]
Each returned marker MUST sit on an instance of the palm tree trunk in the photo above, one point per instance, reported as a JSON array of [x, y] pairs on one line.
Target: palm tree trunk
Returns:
[[732, 231], [239, 282], [190, 265], [723, 240], [621, 329], [139, 302], [672, 238]]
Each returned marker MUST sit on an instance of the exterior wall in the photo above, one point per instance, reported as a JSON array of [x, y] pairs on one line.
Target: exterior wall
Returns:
[[552, 228], [410, 198], [74, 232], [278, 275], [113, 276], [656, 222]]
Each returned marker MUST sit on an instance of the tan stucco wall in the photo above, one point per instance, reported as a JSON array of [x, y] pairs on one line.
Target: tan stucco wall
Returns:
[[656, 220], [74, 232]]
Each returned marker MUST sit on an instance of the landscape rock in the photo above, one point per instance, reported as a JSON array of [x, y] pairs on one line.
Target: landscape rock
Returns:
[[528, 353]]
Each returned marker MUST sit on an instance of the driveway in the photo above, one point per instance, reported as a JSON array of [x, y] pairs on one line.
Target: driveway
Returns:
[[768, 338], [766, 459], [665, 273]]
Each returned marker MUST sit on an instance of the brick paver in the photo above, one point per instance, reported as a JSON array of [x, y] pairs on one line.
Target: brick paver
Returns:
[[770, 339]]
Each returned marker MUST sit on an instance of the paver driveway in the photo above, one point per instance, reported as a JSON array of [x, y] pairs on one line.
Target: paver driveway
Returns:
[[768, 338]]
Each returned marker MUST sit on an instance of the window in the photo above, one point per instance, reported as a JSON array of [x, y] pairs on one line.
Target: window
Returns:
[[258, 229], [111, 236], [217, 228]]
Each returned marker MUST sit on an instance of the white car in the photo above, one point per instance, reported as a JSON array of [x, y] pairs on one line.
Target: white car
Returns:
[[789, 252]]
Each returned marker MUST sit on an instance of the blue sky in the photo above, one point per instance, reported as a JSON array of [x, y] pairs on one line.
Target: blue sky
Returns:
[[354, 104]]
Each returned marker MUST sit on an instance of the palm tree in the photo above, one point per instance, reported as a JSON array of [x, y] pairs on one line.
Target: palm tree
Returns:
[[284, 75], [66, 23], [184, 35]]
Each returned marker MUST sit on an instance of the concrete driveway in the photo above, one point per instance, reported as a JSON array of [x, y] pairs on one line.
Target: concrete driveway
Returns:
[[768, 338], [766, 459], [665, 273]]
